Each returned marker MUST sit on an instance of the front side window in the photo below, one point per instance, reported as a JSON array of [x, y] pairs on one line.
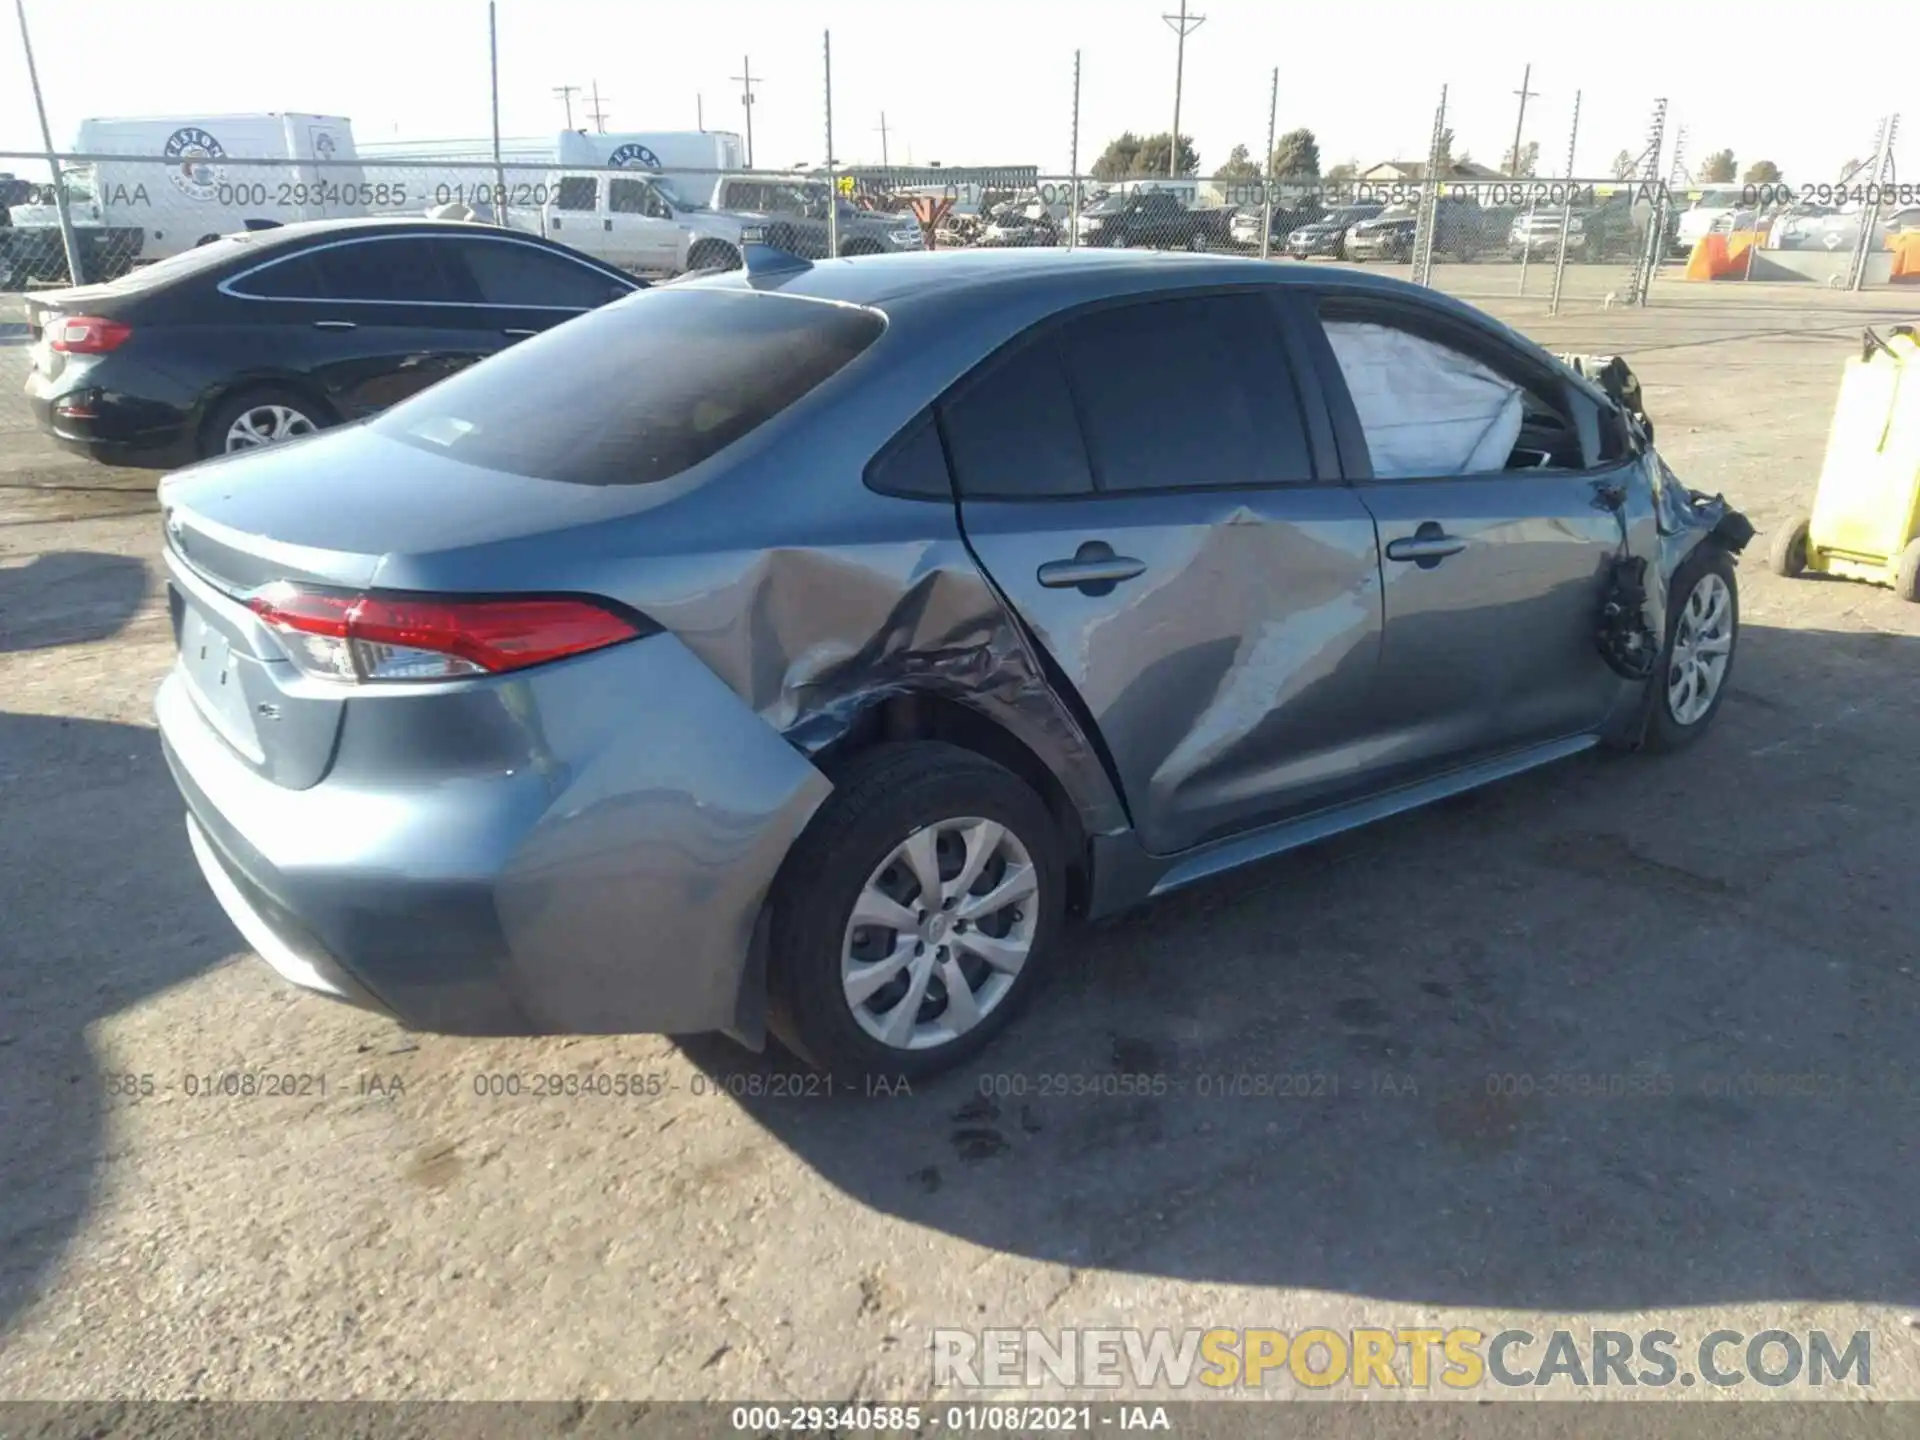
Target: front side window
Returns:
[[628, 197], [1430, 409]]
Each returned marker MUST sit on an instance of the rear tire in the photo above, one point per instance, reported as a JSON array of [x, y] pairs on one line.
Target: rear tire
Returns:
[[1696, 664], [274, 414], [838, 989], [1788, 554]]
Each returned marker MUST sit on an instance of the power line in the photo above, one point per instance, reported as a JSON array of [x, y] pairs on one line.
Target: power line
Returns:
[[566, 94], [1182, 25]]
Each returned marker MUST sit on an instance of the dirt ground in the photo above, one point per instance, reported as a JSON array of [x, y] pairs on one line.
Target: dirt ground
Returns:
[[1723, 920]]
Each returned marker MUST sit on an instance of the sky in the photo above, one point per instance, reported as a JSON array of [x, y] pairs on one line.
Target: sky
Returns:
[[981, 82]]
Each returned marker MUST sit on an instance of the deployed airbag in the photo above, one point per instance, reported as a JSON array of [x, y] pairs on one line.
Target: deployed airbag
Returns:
[[1425, 409]]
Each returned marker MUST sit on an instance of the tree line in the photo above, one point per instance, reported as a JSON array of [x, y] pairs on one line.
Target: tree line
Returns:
[[1296, 156]]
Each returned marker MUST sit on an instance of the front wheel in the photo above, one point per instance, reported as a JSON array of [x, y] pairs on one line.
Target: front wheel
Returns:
[[1703, 624], [915, 915]]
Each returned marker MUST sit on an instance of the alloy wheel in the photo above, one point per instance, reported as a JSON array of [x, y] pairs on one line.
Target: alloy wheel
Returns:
[[266, 425], [1702, 646], [940, 932]]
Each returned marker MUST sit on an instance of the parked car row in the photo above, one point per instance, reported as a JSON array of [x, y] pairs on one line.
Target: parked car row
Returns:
[[269, 335]]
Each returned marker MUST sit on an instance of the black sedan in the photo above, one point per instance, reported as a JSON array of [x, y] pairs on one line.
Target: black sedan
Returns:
[[269, 335]]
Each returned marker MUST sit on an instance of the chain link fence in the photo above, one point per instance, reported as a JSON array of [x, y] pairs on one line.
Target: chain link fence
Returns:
[[1605, 241], [127, 211]]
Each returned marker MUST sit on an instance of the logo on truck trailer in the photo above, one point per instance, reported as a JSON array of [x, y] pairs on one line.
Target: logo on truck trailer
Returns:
[[192, 149], [634, 154]]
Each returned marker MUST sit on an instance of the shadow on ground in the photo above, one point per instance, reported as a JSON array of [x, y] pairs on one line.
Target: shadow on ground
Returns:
[[100, 907], [41, 605], [1631, 1032]]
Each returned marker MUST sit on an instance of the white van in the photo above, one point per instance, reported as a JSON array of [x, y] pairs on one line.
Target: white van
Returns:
[[174, 189]]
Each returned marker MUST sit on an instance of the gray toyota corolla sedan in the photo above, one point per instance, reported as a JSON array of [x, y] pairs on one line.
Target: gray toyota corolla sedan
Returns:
[[800, 648]]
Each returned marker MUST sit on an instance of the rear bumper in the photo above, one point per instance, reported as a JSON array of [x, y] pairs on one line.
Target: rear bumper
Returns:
[[110, 413], [606, 879]]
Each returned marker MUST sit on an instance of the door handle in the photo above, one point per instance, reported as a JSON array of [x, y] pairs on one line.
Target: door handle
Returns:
[[334, 325], [1426, 547], [519, 334], [1093, 570]]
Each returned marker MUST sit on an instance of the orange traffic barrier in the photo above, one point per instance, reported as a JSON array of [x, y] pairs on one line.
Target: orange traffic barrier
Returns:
[[1906, 257], [1710, 259]]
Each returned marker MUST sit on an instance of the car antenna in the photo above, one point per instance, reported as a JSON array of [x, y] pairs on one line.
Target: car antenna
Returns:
[[761, 260]]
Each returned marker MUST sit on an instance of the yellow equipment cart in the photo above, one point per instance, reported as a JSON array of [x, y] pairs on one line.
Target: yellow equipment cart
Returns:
[[1865, 523]]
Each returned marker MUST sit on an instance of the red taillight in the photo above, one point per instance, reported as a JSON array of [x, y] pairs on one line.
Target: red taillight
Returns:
[[86, 334], [369, 637]]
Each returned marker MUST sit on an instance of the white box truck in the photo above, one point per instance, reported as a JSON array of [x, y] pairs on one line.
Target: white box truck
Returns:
[[176, 188], [655, 223]]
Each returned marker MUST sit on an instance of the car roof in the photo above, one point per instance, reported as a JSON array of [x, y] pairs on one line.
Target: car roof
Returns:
[[367, 225], [900, 282]]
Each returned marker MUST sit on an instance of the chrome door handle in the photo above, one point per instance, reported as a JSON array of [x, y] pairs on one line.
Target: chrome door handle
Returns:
[[1094, 569], [519, 334], [1426, 547], [334, 325]]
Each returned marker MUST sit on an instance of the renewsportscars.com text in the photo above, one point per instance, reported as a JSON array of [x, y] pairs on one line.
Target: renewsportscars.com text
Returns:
[[1409, 1357]]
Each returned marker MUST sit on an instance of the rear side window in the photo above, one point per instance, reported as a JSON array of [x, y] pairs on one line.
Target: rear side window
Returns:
[[1189, 393], [295, 278], [405, 269], [1011, 432], [637, 392], [913, 465], [577, 192], [511, 272], [408, 270]]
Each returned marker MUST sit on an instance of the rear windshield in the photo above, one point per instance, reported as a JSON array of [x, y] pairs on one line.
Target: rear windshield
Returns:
[[209, 256], [639, 391]]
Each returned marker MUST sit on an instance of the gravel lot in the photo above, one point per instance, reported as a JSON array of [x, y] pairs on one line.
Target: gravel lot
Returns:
[[1724, 917]]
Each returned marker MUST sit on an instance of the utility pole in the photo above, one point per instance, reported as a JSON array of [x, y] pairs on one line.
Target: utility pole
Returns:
[[700, 112], [499, 206], [599, 111], [67, 240], [1566, 210], [1513, 163], [1073, 162], [1183, 25], [833, 179], [884, 164], [1272, 196], [566, 94], [746, 82]]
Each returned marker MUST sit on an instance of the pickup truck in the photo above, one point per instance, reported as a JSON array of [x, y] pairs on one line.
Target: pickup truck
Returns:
[[645, 223], [1153, 218], [794, 216]]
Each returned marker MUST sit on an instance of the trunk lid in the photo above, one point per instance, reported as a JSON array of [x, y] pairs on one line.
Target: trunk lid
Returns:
[[334, 511]]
